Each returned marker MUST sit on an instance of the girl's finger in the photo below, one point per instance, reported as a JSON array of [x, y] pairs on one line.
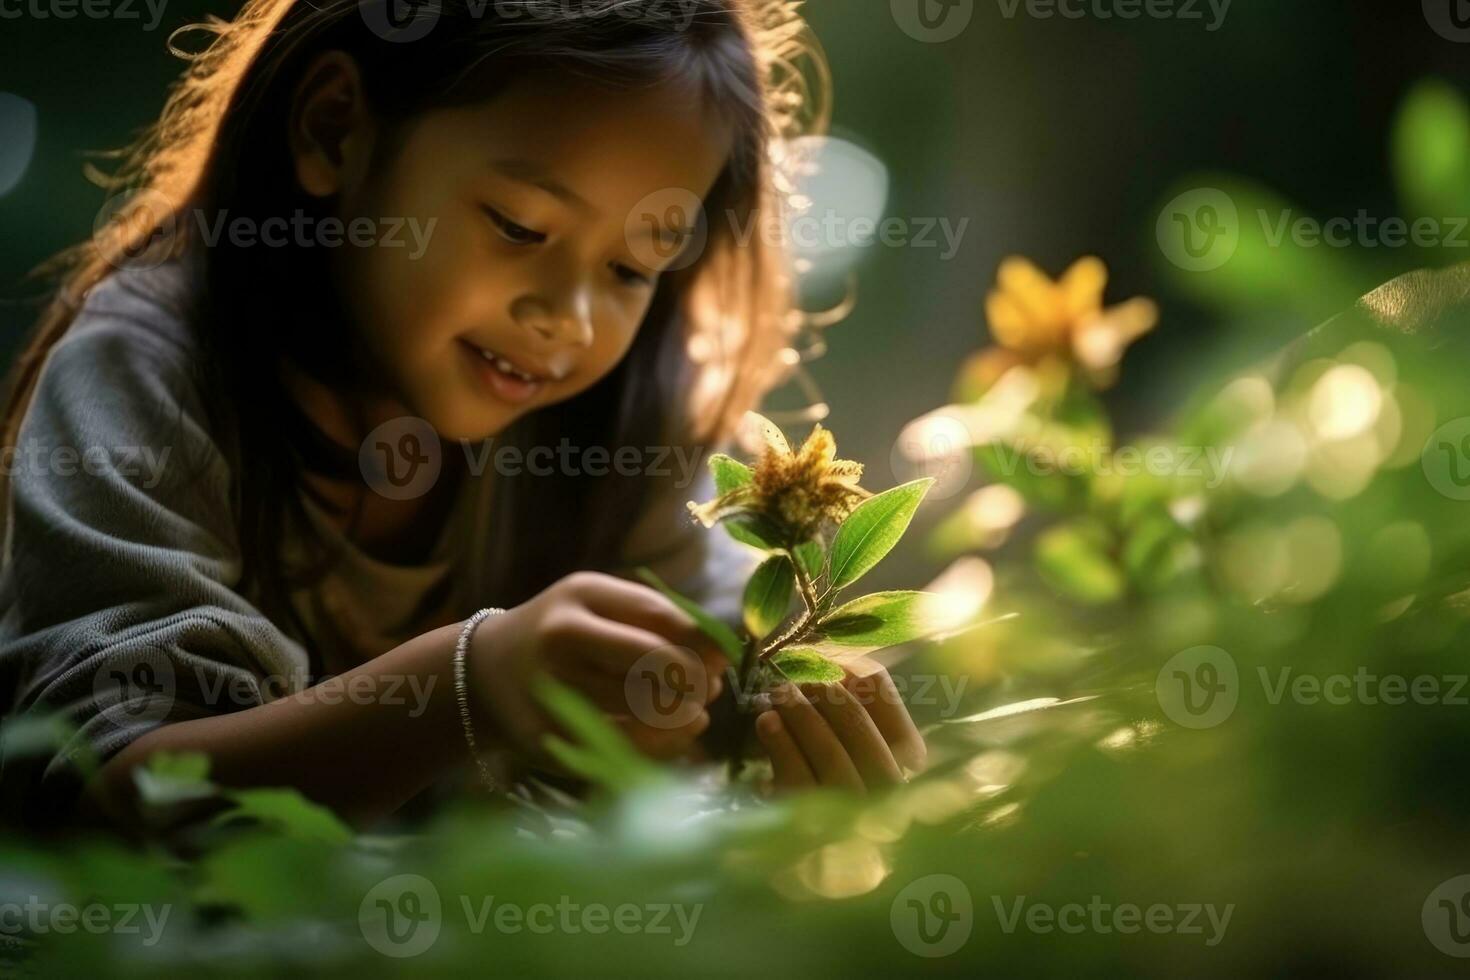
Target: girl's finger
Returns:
[[663, 743], [788, 765], [637, 656], [819, 744], [857, 733], [646, 608], [877, 693]]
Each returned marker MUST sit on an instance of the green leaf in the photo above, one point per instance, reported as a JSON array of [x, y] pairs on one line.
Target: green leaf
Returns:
[[812, 558], [768, 596], [1431, 150], [589, 765], [755, 530], [728, 473], [713, 628], [883, 619], [190, 766], [603, 753], [287, 812], [1157, 552], [170, 778], [873, 528], [1268, 268], [1074, 560], [807, 667]]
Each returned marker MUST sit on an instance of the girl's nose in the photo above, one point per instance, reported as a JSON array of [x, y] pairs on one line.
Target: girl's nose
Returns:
[[567, 320]]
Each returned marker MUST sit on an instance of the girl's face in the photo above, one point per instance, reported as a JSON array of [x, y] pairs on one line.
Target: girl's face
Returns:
[[540, 260]]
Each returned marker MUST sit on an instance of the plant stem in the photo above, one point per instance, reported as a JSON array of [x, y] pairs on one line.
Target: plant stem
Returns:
[[754, 654], [808, 590], [744, 720]]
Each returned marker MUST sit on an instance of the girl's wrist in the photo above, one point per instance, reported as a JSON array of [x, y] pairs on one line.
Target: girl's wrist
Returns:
[[473, 674]]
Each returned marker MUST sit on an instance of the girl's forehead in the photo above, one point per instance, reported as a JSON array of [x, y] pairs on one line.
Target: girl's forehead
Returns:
[[590, 136]]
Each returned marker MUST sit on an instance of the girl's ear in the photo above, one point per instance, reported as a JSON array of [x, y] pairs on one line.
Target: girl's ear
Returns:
[[330, 129]]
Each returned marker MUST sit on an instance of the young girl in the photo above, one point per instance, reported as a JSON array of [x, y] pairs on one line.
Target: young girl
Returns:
[[258, 480]]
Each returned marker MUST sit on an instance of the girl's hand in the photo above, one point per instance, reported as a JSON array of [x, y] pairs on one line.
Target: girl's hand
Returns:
[[855, 734], [623, 646]]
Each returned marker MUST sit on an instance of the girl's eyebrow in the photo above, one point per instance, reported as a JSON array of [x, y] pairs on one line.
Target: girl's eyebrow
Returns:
[[530, 172]]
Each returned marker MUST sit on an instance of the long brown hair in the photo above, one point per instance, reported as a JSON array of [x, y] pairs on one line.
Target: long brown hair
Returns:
[[708, 350]]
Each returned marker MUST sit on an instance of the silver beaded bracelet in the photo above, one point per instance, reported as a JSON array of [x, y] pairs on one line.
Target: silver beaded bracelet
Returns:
[[461, 690]]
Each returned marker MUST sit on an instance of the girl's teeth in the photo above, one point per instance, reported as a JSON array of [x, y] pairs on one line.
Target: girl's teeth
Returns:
[[510, 369], [501, 364]]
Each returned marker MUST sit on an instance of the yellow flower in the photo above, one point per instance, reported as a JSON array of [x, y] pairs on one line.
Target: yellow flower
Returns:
[[792, 493], [1034, 318]]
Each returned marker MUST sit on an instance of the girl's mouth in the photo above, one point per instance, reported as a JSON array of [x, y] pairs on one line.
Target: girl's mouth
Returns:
[[511, 383]]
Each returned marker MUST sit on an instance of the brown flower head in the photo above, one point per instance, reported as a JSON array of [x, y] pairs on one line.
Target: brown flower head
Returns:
[[793, 493]]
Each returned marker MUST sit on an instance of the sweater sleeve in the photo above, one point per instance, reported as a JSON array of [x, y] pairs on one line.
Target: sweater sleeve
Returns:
[[118, 589]]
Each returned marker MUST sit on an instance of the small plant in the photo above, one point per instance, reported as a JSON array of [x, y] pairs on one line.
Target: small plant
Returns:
[[821, 533]]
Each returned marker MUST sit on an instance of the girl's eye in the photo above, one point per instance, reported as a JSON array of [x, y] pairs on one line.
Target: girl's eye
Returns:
[[629, 275], [512, 232]]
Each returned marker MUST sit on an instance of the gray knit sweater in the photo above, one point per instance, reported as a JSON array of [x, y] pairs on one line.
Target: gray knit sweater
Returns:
[[119, 609]]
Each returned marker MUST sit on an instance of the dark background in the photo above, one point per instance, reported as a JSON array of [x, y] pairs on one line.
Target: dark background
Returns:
[[1056, 138]]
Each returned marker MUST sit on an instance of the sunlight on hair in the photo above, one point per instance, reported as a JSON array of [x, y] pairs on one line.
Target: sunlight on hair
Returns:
[[838, 192]]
